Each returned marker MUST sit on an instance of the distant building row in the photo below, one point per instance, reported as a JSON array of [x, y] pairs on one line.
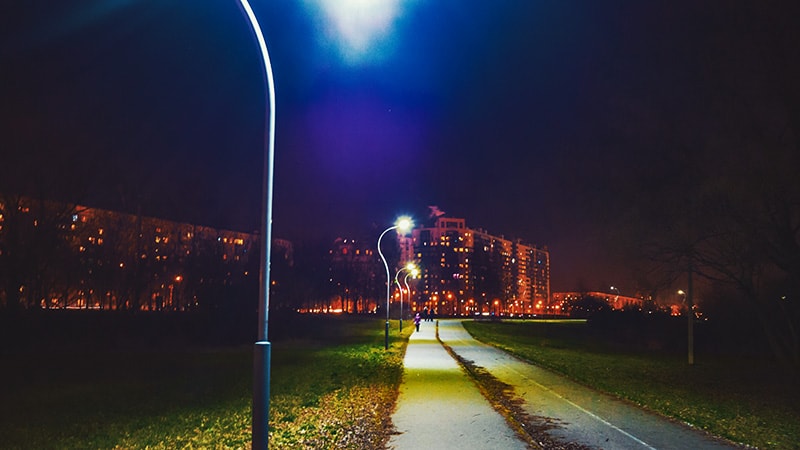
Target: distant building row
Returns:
[[55, 255]]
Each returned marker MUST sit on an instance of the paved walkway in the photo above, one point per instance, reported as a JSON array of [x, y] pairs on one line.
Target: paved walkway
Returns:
[[440, 407], [581, 415]]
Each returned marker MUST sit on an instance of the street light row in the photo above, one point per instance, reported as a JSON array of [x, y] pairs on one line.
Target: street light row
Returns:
[[403, 225], [413, 271]]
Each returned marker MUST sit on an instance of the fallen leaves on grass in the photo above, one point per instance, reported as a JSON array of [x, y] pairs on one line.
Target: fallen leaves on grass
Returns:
[[354, 418]]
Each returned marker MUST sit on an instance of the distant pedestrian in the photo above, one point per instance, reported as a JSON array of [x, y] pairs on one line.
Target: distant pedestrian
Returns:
[[417, 319]]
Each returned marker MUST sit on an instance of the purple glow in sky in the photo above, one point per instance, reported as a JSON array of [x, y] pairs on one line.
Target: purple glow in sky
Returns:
[[361, 137], [514, 114]]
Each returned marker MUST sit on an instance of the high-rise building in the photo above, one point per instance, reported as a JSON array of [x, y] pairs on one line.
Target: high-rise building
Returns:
[[469, 271]]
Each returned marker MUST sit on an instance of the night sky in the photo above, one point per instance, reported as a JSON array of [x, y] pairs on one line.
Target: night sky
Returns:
[[495, 111]]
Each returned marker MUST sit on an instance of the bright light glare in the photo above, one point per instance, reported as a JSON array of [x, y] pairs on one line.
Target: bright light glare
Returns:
[[359, 27], [404, 224]]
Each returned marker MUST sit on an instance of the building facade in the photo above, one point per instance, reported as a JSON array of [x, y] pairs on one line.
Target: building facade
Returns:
[[353, 278], [583, 304], [467, 271], [75, 257]]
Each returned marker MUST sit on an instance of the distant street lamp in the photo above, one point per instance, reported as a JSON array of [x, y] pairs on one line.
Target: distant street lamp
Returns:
[[403, 225], [410, 267], [414, 273], [262, 348], [612, 288], [687, 298]]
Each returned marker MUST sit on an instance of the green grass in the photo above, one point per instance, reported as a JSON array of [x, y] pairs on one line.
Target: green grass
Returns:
[[744, 400], [334, 388]]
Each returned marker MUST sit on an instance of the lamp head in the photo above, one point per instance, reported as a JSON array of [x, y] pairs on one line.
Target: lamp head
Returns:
[[404, 224], [360, 29]]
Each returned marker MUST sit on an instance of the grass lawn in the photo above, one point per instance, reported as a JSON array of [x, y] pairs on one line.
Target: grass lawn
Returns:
[[333, 386], [745, 400]]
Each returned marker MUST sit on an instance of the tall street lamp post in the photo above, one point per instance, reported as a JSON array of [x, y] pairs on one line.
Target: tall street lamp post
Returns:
[[408, 267], [403, 225], [339, 12], [414, 272], [262, 348], [687, 298]]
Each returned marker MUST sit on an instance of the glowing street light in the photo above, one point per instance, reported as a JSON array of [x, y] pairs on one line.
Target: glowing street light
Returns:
[[373, 17], [410, 268], [403, 225], [616, 299]]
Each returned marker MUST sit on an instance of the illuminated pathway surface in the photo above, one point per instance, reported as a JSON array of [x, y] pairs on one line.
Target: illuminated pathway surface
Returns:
[[582, 415], [440, 407]]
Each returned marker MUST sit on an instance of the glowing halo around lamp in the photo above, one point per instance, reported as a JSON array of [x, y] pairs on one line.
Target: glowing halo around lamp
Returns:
[[358, 28]]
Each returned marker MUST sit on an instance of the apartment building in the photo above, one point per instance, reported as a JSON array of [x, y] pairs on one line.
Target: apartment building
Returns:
[[466, 271], [78, 257]]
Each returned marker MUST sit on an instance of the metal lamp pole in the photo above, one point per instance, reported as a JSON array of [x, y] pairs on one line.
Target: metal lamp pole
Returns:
[[405, 281], [410, 267], [262, 348], [397, 274], [388, 284]]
